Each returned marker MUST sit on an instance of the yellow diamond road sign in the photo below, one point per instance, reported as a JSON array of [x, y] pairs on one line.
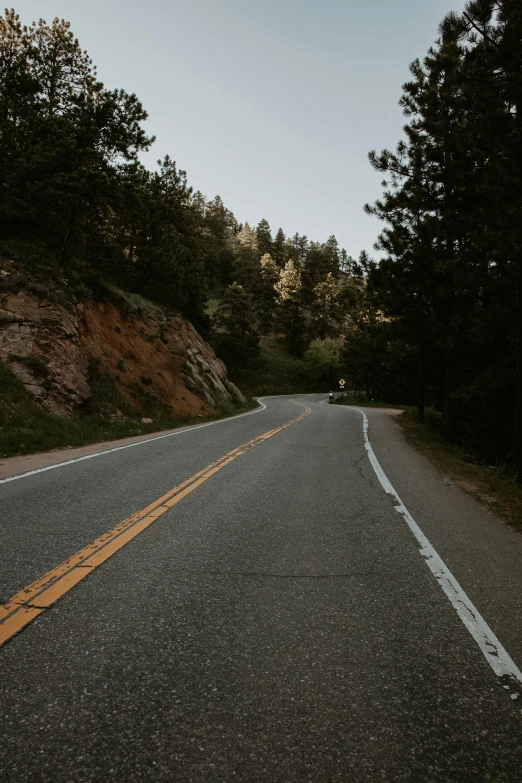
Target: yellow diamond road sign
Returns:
[[342, 383]]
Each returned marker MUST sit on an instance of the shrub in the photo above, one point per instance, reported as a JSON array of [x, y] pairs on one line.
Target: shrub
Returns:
[[323, 359]]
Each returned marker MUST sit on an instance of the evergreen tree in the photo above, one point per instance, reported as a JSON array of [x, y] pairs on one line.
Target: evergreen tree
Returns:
[[296, 248], [346, 262], [220, 229], [235, 339], [327, 310], [18, 109], [416, 277], [264, 237], [320, 261], [331, 257], [290, 315], [279, 251], [246, 265], [267, 295], [64, 72], [451, 282]]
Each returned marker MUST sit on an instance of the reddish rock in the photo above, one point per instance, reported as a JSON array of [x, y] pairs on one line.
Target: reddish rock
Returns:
[[49, 348]]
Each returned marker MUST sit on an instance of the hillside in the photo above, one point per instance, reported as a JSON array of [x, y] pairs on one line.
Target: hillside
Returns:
[[116, 365]]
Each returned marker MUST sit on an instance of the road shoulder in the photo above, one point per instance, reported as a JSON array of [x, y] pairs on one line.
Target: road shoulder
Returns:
[[482, 551], [15, 466]]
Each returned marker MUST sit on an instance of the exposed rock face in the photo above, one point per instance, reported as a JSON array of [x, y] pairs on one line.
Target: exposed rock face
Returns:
[[203, 372], [49, 349], [41, 343]]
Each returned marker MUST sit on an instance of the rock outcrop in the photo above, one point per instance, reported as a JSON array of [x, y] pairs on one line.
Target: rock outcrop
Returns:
[[41, 343], [49, 349]]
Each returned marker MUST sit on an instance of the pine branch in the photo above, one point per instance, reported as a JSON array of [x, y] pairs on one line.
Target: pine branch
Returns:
[[482, 32]]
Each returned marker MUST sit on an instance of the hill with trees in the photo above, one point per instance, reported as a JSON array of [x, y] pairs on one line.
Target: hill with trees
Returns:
[[77, 205]]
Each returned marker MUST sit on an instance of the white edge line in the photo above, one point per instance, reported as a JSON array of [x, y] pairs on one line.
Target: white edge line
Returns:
[[495, 654], [147, 440], [130, 445]]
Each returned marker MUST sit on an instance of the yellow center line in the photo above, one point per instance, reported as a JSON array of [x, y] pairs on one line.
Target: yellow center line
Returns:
[[31, 601]]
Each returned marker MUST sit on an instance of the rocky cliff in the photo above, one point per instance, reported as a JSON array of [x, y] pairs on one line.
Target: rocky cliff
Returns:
[[49, 348]]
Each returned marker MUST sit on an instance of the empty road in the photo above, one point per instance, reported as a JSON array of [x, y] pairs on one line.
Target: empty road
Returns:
[[290, 595]]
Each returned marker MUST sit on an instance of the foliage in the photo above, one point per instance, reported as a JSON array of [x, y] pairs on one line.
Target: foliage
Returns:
[[265, 244], [449, 287], [267, 293], [327, 308], [289, 308], [275, 371], [234, 337], [323, 359]]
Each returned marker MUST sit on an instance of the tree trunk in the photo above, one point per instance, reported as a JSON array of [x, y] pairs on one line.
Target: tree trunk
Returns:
[[421, 383], [73, 221], [517, 433], [71, 230]]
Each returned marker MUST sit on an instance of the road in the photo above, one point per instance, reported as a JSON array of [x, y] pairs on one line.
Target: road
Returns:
[[279, 597]]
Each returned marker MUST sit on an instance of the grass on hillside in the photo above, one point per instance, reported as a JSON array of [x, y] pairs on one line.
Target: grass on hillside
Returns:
[[275, 371], [495, 487], [25, 428], [133, 305]]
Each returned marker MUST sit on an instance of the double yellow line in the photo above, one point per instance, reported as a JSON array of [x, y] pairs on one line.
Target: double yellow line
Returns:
[[31, 601]]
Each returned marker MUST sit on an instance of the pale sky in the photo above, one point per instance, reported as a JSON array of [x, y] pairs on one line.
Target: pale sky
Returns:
[[272, 105]]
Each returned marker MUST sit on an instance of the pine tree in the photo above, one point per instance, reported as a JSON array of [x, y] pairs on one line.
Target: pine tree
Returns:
[[332, 256], [279, 251], [264, 237], [64, 72], [235, 339], [492, 36], [451, 282], [246, 265], [18, 110], [417, 205], [220, 228], [327, 311], [296, 248], [290, 315], [267, 295], [346, 262]]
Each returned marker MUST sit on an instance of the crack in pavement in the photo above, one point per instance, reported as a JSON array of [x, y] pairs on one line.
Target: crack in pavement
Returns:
[[268, 575]]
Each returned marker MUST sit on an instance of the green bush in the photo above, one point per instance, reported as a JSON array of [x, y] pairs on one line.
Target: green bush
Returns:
[[323, 359]]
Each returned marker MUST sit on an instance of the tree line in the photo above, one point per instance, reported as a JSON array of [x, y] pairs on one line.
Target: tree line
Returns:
[[72, 183], [442, 320]]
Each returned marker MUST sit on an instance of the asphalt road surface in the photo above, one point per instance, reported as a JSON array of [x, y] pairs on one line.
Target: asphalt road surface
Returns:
[[315, 606]]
